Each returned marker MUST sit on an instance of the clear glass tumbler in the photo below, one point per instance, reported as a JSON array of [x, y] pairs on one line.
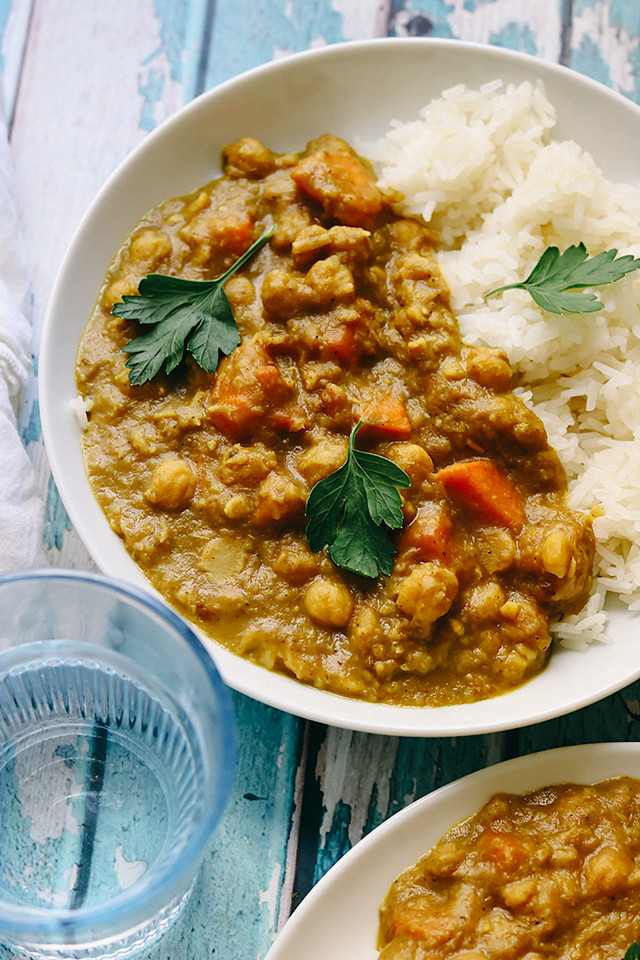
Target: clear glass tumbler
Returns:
[[117, 753]]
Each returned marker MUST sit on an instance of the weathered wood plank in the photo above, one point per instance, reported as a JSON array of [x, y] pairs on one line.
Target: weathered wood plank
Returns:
[[267, 31], [236, 905], [616, 718], [534, 28], [605, 43], [355, 781]]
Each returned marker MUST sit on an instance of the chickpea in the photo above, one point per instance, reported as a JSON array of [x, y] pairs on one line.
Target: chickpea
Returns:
[[497, 549], [279, 497], [489, 367], [556, 553], [330, 280], [414, 266], [413, 459], [516, 894], [445, 858], [328, 602], [238, 507], [246, 465], [365, 628], [409, 233], [291, 221], [123, 286], [427, 594], [222, 558], [452, 368], [309, 243], [606, 872], [295, 563], [322, 459], [201, 202], [240, 291], [529, 620], [248, 158], [172, 485], [283, 294], [485, 601], [150, 247], [350, 243]]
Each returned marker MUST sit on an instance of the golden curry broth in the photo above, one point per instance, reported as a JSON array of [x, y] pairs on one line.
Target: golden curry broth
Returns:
[[551, 875], [344, 317]]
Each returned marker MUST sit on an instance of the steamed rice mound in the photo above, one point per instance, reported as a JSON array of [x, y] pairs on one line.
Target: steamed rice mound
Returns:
[[482, 168]]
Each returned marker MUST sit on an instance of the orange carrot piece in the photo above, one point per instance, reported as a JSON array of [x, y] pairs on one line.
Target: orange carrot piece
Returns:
[[417, 919], [235, 416], [505, 849], [237, 233], [482, 487], [342, 343], [384, 418], [428, 536], [291, 417]]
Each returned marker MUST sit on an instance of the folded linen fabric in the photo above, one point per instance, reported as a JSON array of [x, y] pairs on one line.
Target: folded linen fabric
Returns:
[[21, 507]]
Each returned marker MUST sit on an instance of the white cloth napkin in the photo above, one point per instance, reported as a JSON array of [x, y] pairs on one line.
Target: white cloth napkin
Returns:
[[21, 508]]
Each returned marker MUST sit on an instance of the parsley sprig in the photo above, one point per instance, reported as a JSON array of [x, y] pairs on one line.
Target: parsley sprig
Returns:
[[633, 952], [555, 281], [185, 315], [353, 508]]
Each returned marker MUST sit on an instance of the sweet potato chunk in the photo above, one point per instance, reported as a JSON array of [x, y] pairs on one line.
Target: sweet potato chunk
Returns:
[[340, 182], [246, 385]]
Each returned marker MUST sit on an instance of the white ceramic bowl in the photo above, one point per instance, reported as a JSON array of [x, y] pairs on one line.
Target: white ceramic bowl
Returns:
[[352, 90], [324, 926]]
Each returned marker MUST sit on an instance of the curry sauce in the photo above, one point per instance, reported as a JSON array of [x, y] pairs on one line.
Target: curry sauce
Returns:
[[550, 875], [344, 318]]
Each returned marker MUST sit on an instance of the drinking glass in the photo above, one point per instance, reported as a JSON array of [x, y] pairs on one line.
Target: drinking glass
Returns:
[[117, 753]]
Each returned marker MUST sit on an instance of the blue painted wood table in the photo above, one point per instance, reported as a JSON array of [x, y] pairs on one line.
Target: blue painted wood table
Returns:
[[83, 82]]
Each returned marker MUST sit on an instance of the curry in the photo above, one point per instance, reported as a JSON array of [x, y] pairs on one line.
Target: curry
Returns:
[[551, 875], [344, 319]]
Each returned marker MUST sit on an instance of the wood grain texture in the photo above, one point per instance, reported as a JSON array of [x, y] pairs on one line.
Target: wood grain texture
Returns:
[[534, 28], [235, 908], [363, 779], [605, 44], [261, 32], [84, 82]]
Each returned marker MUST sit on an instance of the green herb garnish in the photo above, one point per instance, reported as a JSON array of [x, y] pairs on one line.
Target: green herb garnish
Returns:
[[633, 953], [557, 277], [191, 315], [351, 510]]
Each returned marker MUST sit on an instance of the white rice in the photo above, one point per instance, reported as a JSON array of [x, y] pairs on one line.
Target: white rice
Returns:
[[482, 168]]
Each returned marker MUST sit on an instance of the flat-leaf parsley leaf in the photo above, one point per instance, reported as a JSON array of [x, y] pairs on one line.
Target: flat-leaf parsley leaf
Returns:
[[187, 315], [352, 509], [633, 953], [557, 277]]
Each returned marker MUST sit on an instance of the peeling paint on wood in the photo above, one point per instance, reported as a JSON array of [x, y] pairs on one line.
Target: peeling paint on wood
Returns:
[[605, 44], [533, 28]]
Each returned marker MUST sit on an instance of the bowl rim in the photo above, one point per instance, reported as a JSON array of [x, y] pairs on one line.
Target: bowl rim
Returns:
[[449, 805], [281, 691]]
